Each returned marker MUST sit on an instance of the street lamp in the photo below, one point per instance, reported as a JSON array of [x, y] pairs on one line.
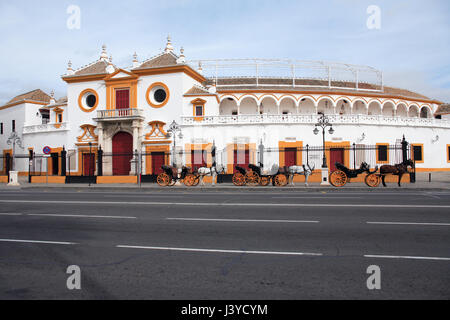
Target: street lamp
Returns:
[[90, 162], [323, 122], [174, 128], [14, 139]]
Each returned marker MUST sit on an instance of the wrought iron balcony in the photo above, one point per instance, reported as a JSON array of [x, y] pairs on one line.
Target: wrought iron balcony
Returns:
[[119, 114]]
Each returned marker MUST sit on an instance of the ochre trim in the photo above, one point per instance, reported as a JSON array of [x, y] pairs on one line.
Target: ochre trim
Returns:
[[251, 147], [50, 162], [412, 152], [121, 83], [116, 179], [12, 104], [88, 130], [282, 145], [387, 152], [80, 102], [189, 147], [157, 129], [148, 157], [448, 153], [344, 145], [149, 101], [92, 77], [195, 103]]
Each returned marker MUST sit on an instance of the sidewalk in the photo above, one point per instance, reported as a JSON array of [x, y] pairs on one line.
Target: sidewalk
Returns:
[[439, 181]]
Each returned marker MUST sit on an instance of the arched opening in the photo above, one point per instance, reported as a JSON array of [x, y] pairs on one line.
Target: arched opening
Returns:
[[306, 106], [374, 108], [269, 105], [425, 112], [359, 107], [122, 148], [402, 110], [325, 106], [413, 111], [343, 106], [288, 106], [248, 106], [388, 109], [228, 106]]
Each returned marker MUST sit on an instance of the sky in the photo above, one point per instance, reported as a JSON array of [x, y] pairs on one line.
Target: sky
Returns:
[[411, 47]]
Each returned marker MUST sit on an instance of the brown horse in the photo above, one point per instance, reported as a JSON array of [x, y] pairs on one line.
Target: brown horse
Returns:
[[396, 170]]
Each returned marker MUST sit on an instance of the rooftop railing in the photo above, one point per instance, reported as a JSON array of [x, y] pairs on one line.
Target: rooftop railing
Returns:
[[289, 73]]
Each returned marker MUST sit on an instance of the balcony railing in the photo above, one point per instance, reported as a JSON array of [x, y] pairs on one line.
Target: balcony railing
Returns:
[[119, 113], [45, 127], [312, 118]]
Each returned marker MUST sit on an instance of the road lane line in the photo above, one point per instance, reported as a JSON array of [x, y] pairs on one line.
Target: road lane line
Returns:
[[309, 197], [410, 223], [10, 214], [243, 220], [78, 216], [35, 241], [228, 204], [222, 250], [405, 257]]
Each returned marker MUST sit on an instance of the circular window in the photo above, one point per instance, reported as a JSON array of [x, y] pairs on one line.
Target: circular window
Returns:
[[88, 100], [157, 95]]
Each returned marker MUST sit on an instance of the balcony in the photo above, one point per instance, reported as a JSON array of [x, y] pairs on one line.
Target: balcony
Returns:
[[355, 119], [119, 114], [47, 127]]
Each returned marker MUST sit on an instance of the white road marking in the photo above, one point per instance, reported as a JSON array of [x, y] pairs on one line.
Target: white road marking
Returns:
[[10, 214], [410, 223], [78, 216], [242, 220], [228, 204], [309, 197], [35, 241], [405, 257], [222, 250]]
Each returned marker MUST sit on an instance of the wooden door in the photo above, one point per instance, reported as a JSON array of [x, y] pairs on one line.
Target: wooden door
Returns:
[[290, 157], [88, 164], [198, 159], [336, 155], [122, 98], [241, 159], [122, 147], [157, 162]]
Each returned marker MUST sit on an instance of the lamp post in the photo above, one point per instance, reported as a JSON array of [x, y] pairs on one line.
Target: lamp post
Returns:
[[174, 128], [323, 122], [90, 162], [14, 139]]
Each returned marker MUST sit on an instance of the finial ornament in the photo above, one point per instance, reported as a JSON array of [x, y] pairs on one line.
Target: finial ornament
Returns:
[[69, 68], [182, 58], [135, 60], [169, 47], [104, 54]]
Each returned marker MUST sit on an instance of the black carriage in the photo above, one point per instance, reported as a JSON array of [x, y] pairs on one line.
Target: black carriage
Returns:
[[342, 175], [170, 175]]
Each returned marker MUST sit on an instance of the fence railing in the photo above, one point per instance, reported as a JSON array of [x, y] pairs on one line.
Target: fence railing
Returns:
[[119, 113], [46, 127], [312, 118]]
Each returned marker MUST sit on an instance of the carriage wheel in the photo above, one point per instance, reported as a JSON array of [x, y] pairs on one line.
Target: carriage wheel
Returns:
[[163, 179], [280, 180], [372, 180], [238, 179], [189, 180], [264, 181], [338, 178], [197, 180], [252, 178]]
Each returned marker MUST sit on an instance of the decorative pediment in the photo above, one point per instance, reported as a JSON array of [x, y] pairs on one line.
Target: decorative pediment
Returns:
[[121, 74], [88, 134], [157, 130], [198, 101]]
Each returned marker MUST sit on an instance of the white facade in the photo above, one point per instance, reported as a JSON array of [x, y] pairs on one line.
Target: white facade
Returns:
[[224, 111]]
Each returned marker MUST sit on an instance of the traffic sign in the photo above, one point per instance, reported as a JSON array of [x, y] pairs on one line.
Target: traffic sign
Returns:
[[47, 150]]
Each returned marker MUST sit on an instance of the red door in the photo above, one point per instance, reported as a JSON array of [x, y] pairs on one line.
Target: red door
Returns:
[[122, 147], [241, 159], [122, 98], [336, 155], [290, 157], [157, 162], [88, 164], [198, 159]]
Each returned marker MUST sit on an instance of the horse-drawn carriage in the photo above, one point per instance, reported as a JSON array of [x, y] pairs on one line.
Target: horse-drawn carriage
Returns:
[[172, 174], [279, 176], [342, 175]]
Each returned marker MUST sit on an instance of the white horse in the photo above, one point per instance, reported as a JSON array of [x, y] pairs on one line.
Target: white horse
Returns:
[[303, 170], [212, 171]]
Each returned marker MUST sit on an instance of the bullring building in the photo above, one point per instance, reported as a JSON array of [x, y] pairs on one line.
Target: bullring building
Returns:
[[237, 105]]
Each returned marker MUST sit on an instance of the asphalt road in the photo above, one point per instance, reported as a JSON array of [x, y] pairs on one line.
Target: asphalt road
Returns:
[[205, 244]]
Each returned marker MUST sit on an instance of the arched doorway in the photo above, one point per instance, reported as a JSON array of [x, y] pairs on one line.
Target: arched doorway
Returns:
[[122, 148]]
